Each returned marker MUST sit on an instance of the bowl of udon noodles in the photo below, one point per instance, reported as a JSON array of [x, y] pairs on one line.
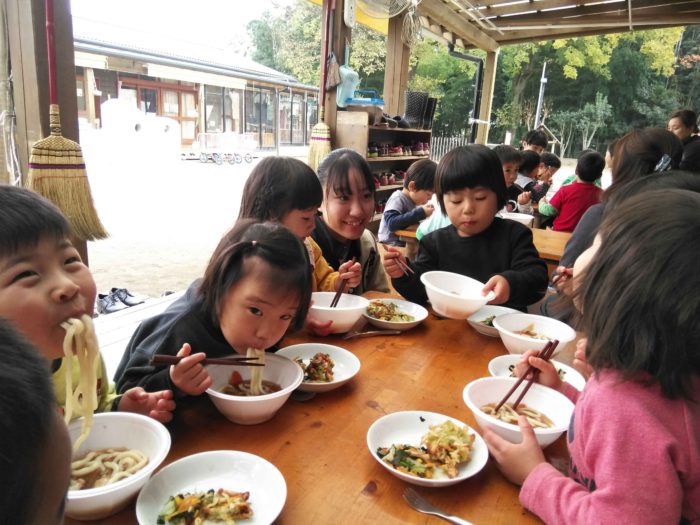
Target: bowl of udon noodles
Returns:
[[113, 463], [453, 295], [521, 332], [250, 395], [347, 312], [548, 411]]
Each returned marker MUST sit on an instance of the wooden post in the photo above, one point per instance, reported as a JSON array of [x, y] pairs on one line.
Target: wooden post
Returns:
[[482, 133], [396, 71], [26, 21], [89, 94], [340, 34]]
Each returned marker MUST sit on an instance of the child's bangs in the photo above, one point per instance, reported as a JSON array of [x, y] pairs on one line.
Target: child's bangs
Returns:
[[306, 193], [27, 235], [339, 176]]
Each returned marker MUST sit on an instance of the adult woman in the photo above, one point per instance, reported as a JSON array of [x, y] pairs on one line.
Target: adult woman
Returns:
[[348, 206], [684, 125]]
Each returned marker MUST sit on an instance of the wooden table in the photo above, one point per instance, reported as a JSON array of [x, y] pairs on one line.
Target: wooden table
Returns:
[[550, 244], [320, 445]]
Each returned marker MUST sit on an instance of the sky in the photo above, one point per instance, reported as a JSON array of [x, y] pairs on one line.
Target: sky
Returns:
[[213, 22]]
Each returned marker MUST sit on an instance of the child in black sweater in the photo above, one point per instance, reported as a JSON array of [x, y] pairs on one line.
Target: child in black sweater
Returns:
[[471, 189]]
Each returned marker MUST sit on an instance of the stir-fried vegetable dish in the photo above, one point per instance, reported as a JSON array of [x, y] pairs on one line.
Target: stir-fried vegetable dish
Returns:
[[488, 321], [197, 507], [445, 446], [318, 370], [388, 311]]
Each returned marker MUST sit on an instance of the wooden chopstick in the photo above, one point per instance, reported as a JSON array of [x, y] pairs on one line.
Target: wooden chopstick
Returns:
[[531, 369], [162, 359], [535, 371], [405, 267], [336, 297]]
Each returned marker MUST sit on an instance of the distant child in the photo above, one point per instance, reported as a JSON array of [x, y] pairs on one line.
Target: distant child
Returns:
[[549, 165], [43, 283], [535, 140], [511, 159], [499, 252], [347, 209], [634, 437], [571, 202], [527, 178], [409, 205], [36, 450], [256, 285], [287, 191]]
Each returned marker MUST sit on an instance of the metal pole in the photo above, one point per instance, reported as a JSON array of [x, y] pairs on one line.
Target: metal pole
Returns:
[[540, 98]]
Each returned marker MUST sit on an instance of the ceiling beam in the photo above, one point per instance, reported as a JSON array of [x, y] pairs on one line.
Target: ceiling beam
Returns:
[[455, 23], [536, 35], [545, 24], [491, 10]]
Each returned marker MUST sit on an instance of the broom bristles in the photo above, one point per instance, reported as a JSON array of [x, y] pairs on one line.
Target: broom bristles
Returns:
[[57, 171], [319, 144]]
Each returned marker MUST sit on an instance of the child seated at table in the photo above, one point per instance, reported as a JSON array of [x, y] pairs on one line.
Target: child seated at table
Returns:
[[256, 285], [527, 178], [409, 205], [499, 252], [287, 191], [511, 159], [570, 203], [634, 437], [549, 166], [36, 451], [43, 284]]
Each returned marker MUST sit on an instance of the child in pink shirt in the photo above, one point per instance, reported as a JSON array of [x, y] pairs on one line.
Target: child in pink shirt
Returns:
[[634, 437], [571, 201]]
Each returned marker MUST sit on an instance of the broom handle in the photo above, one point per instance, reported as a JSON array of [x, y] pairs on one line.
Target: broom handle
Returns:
[[51, 49], [324, 58]]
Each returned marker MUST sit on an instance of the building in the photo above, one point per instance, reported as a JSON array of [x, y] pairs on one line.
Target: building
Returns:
[[207, 90]]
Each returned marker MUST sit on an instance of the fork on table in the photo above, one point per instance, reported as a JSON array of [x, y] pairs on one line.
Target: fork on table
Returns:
[[421, 504]]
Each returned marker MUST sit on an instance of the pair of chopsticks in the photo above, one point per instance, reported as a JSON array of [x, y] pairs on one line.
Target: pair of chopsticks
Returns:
[[404, 267], [341, 289], [545, 354], [162, 359]]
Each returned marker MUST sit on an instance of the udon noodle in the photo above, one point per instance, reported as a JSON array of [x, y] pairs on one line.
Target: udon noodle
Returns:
[[508, 415], [81, 341], [105, 466], [255, 386]]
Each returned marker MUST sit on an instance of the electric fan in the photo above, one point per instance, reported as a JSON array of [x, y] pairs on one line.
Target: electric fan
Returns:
[[383, 8]]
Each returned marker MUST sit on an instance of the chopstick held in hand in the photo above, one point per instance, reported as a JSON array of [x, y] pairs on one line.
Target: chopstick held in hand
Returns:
[[162, 359], [341, 289], [545, 354]]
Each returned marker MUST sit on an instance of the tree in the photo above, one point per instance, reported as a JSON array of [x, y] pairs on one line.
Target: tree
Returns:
[[564, 123], [593, 117]]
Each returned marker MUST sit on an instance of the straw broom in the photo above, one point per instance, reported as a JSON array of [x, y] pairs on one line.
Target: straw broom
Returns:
[[320, 141], [56, 165]]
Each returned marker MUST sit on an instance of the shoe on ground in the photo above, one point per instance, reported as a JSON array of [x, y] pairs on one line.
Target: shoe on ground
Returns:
[[109, 303], [127, 297]]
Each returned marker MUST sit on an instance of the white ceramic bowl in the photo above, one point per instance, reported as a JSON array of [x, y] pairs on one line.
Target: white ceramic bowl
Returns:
[[477, 317], [251, 410], [508, 324], [227, 469], [522, 218], [408, 428], [418, 313], [549, 402], [453, 295], [501, 367], [346, 365], [112, 430], [349, 310]]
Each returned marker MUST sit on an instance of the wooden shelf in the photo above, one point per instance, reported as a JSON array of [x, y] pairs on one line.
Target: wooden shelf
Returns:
[[397, 158], [389, 187], [400, 130]]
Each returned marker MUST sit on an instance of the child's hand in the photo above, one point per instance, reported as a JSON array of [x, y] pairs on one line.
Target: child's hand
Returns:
[[563, 279], [580, 361], [509, 207], [428, 209], [316, 327], [158, 405], [548, 375], [515, 461], [189, 376], [500, 287], [524, 197], [391, 267], [351, 271]]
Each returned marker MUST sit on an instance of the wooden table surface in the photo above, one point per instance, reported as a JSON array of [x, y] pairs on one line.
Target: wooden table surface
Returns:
[[550, 244], [320, 446]]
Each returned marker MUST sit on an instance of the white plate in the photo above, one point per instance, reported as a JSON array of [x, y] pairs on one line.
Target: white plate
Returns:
[[417, 311], [408, 428], [228, 469], [487, 311], [347, 365], [500, 367]]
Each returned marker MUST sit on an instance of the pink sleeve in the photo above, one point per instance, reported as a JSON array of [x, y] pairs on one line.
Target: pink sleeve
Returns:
[[626, 472]]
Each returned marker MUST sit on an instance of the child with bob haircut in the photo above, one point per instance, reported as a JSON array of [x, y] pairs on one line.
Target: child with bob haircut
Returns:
[[43, 283], [256, 285], [36, 450], [634, 437], [409, 205], [287, 191], [347, 209], [499, 252]]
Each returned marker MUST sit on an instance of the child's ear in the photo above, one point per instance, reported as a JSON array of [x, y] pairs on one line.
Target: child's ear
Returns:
[[411, 186]]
